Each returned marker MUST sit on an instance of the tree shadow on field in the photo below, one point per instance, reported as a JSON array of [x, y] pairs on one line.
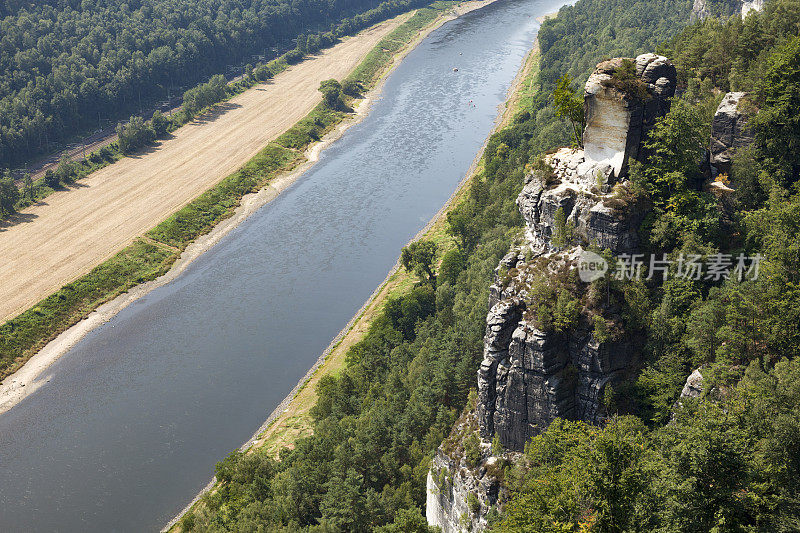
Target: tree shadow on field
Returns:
[[143, 151], [218, 111], [19, 218]]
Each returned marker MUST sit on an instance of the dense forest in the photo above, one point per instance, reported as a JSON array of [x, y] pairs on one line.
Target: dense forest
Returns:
[[378, 422], [68, 67], [729, 460]]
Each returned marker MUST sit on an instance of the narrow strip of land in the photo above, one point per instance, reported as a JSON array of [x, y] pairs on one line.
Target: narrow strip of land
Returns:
[[70, 232]]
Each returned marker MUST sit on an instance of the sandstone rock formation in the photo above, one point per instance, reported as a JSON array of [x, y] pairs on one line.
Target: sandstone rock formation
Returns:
[[699, 11], [592, 216], [694, 385], [752, 5], [729, 132], [460, 496], [531, 375], [465, 496], [621, 105]]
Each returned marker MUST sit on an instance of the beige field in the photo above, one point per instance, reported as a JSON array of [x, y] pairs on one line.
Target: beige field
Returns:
[[71, 232]]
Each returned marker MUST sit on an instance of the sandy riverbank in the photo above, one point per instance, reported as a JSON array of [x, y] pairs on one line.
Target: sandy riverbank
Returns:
[[70, 232], [33, 374]]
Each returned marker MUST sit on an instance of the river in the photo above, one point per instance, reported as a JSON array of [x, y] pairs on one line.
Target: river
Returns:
[[135, 416]]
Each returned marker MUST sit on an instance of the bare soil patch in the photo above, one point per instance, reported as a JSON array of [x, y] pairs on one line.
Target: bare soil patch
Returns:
[[73, 231]]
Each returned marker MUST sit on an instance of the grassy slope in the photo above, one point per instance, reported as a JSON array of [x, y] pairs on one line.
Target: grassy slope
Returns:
[[152, 255]]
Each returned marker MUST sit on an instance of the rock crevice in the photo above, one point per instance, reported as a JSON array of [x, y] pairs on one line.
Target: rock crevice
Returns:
[[531, 375]]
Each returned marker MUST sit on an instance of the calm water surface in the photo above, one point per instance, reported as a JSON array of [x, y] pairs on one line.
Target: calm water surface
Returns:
[[133, 419]]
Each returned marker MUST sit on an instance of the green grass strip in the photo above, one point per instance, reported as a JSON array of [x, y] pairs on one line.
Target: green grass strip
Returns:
[[22, 336], [30, 331]]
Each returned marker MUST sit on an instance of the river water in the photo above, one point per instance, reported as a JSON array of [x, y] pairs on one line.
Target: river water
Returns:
[[134, 418]]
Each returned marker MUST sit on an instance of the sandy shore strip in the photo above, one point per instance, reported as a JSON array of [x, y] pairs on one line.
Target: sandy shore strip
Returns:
[[31, 376], [67, 234]]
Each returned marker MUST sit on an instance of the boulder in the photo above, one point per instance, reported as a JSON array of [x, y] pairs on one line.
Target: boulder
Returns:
[[694, 385]]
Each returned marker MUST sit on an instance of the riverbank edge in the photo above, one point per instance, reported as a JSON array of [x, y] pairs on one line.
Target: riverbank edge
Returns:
[[27, 373], [397, 280], [108, 151]]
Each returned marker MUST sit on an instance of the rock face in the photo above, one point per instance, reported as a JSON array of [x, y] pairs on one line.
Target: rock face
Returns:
[[622, 100], [532, 372], [729, 132], [450, 505], [591, 216], [460, 495], [699, 11], [529, 377], [752, 5], [694, 385]]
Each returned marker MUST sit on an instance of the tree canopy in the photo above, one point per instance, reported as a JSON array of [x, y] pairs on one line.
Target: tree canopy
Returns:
[[70, 67]]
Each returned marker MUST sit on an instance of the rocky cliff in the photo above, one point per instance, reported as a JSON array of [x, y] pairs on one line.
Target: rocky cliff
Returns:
[[622, 100], [702, 9], [553, 347], [464, 484], [533, 372], [729, 132], [752, 5]]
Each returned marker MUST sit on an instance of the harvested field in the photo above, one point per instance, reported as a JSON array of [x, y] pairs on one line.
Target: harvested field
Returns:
[[70, 232]]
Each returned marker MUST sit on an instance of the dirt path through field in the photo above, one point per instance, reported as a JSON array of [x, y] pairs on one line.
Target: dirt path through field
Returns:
[[73, 231]]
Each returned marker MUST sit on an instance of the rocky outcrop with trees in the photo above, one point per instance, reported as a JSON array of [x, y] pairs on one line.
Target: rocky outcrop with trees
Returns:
[[729, 131], [555, 345]]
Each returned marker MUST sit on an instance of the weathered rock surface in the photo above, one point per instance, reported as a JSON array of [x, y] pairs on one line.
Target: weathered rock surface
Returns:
[[695, 388], [531, 377], [589, 214], [617, 118], [461, 496], [752, 5], [694, 385], [699, 11], [448, 506], [729, 132], [529, 374]]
